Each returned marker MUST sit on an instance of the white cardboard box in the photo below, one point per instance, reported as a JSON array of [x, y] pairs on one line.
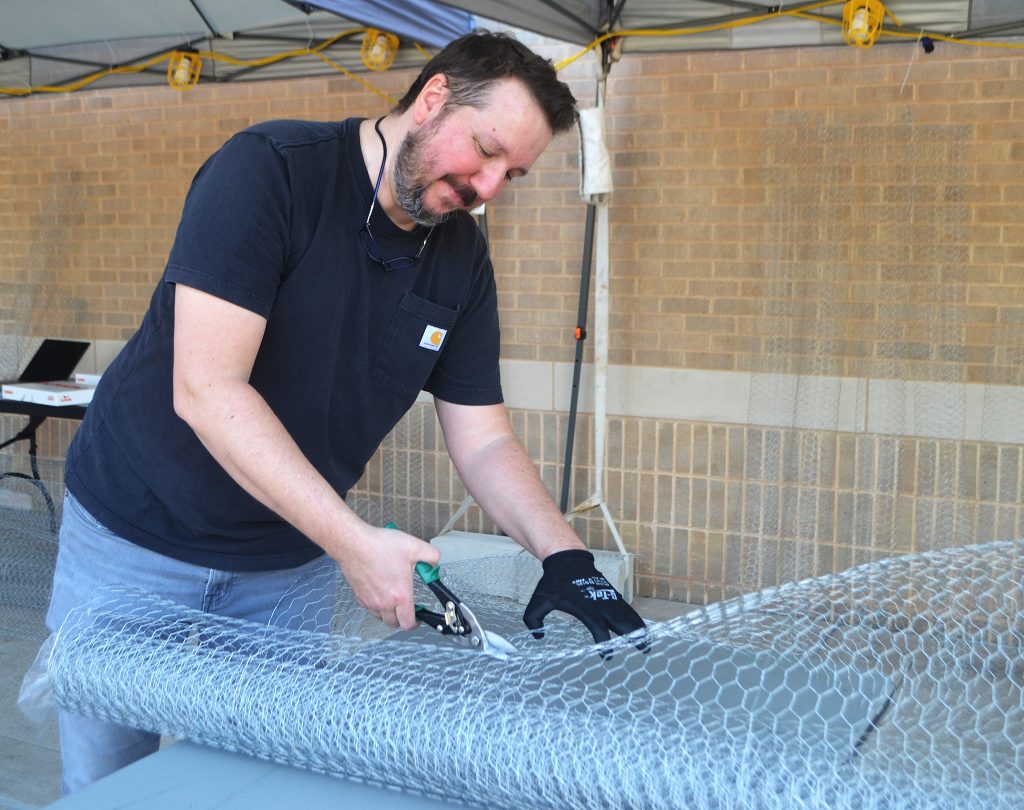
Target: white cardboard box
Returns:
[[87, 379], [49, 393]]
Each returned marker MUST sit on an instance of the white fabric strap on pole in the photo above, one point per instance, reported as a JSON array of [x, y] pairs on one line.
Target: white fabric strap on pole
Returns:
[[595, 162]]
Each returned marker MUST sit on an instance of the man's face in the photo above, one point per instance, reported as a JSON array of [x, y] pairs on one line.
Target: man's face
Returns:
[[463, 156]]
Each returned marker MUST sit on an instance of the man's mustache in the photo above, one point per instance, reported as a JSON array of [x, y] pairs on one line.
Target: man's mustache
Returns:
[[465, 193]]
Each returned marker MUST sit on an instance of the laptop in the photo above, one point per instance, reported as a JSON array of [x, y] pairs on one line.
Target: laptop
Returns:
[[54, 360]]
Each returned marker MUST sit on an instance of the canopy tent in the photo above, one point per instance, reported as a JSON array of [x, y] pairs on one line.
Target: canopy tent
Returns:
[[669, 25], [59, 43]]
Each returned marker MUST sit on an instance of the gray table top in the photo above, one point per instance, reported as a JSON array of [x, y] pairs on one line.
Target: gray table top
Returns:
[[186, 775]]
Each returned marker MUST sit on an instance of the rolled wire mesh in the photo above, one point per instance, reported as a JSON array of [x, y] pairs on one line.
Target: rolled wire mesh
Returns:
[[897, 684]]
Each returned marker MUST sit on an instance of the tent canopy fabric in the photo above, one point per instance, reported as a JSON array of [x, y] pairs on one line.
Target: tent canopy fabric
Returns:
[[30, 24], [46, 43], [54, 42], [581, 21]]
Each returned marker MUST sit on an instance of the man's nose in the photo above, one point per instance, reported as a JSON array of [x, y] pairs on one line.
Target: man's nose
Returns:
[[489, 181]]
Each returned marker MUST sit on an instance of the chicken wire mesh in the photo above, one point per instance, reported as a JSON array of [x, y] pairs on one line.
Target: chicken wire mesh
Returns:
[[897, 684]]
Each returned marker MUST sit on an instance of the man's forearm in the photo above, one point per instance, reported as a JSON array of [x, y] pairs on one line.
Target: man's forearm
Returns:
[[502, 479]]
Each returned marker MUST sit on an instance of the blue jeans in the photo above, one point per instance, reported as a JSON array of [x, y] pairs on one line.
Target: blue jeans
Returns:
[[91, 557]]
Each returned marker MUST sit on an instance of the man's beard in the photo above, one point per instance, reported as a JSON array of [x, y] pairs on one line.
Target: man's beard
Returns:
[[410, 185]]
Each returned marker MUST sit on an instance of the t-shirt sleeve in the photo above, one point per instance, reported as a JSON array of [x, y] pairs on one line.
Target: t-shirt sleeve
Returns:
[[467, 371], [233, 238]]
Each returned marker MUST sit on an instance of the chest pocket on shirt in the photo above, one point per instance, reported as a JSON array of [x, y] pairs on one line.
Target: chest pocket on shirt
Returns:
[[412, 344]]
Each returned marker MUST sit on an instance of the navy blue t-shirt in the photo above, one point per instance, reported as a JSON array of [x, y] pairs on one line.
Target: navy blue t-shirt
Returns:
[[271, 223]]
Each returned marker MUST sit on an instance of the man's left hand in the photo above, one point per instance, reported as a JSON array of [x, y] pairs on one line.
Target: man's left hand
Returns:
[[573, 585]]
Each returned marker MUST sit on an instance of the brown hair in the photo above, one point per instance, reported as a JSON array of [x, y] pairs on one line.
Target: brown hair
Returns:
[[474, 62]]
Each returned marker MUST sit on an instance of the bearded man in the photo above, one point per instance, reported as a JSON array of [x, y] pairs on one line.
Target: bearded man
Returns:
[[322, 275]]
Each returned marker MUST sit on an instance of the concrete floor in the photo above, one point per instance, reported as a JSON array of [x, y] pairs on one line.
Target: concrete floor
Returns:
[[29, 754], [29, 757]]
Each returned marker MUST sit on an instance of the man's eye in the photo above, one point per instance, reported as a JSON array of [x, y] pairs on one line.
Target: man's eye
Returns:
[[483, 152]]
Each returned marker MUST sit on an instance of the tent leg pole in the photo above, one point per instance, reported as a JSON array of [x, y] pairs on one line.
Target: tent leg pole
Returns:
[[581, 334]]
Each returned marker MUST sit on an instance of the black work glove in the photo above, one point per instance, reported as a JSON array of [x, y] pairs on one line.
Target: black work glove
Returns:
[[573, 585]]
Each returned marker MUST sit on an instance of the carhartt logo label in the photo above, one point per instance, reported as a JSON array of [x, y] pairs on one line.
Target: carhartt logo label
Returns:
[[433, 337]]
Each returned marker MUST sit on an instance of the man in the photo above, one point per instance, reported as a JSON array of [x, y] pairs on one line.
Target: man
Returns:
[[321, 276]]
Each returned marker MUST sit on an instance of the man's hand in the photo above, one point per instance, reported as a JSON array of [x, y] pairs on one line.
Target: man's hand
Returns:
[[379, 569], [573, 585]]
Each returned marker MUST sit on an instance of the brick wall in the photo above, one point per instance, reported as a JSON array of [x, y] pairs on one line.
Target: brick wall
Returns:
[[94, 183], [744, 182]]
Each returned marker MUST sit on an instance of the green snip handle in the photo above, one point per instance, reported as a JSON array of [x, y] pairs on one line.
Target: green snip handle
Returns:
[[428, 573]]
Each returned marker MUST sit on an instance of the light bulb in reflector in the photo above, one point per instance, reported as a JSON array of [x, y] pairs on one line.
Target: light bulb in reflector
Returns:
[[862, 22], [379, 49], [183, 70], [860, 25]]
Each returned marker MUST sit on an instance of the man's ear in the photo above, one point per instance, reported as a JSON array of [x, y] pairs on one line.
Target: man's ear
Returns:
[[431, 98]]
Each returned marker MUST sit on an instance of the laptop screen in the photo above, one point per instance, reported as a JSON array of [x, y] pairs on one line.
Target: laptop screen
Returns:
[[54, 360]]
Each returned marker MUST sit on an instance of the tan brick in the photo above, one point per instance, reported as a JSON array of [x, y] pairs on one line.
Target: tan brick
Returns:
[[982, 68], [744, 80]]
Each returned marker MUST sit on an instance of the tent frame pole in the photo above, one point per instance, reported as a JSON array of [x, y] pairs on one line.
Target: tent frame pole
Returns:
[[581, 336], [601, 311]]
